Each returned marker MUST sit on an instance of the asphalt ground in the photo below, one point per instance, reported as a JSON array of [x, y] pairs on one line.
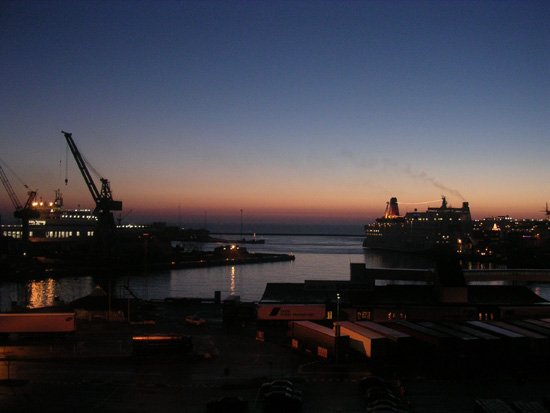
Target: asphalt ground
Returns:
[[95, 370]]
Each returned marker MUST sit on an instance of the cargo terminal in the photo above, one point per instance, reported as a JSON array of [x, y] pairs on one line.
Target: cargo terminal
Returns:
[[399, 314]]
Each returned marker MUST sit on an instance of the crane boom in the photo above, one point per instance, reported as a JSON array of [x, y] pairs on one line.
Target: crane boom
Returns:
[[105, 237], [103, 199], [23, 212], [9, 190], [82, 167]]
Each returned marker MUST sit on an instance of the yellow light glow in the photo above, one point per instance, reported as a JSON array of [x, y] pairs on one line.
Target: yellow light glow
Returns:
[[41, 293]]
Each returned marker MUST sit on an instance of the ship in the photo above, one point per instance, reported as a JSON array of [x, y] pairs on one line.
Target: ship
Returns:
[[55, 222], [442, 228]]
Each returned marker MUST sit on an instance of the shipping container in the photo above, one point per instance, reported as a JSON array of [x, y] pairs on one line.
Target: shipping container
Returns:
[[465, 343], [433, 338], [24, 323], [319, 340], [363, 340], [399, 344]]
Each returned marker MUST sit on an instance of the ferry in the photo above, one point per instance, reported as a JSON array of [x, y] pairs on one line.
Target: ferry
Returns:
[[56, 222], [440, 228]]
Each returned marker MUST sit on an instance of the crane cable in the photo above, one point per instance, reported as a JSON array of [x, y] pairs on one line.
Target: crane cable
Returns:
[[66, 164], [91, 167], [13, 173], [88, 164]]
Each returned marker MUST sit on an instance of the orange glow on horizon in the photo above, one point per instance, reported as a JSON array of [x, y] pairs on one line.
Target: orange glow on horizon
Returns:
[[292, 205]]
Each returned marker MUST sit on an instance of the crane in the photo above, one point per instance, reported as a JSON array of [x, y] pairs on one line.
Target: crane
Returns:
[[25, 212], [104, 203]]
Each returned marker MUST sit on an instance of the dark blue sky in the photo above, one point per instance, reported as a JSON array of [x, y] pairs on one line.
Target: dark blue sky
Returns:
[[290, 110]]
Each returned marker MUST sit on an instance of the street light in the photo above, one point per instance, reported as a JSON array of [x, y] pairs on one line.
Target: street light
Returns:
[[337, 346], [337, 307]]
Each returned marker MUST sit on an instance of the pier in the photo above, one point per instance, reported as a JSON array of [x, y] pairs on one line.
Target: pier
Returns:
[[516, 275]]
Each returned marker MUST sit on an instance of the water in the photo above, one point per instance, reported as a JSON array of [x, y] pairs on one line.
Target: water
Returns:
[[317, 258]]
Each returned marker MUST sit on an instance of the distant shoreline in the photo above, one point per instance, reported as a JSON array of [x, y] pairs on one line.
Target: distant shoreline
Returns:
[[286, 234]]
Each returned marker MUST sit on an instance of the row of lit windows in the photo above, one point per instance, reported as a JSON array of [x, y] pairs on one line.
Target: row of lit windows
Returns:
[[78, 217], [364, 315], [49, 234], [367, 315], [397, 316], [485, 316], [13, 234], [61, 234]]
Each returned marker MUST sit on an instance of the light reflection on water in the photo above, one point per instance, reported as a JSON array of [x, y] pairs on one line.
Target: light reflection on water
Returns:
[[317, 258], [41, 293]]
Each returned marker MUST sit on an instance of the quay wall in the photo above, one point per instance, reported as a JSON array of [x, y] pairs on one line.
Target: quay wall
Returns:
[[520, 275]]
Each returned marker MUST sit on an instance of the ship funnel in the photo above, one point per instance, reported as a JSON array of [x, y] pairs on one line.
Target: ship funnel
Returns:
[[392, 209]]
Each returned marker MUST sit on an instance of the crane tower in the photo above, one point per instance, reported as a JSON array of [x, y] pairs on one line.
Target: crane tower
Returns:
[[24, 212], [105, 233]]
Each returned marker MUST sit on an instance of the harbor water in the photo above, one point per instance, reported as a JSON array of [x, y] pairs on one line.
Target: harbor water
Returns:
[[317, 258]]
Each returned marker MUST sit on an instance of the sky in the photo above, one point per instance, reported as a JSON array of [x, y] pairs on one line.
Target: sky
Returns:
[[292, 111]]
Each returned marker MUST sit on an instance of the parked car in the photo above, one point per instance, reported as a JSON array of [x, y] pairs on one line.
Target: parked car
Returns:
[[280, 386], [374, 381], [386, 403], [227, 404], [282, 401]]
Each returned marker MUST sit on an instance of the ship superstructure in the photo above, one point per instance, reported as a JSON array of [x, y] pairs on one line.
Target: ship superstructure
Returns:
[[440, 228], [56, 222]]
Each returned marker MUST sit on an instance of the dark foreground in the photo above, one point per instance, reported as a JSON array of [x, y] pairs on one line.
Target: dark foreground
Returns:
[[94, 370]]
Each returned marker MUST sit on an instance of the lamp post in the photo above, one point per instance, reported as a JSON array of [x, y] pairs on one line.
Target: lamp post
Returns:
[[338, 307], [337, 346], [242, 224]]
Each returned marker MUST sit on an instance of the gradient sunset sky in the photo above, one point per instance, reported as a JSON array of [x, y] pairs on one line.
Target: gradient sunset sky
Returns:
[[294, 111]]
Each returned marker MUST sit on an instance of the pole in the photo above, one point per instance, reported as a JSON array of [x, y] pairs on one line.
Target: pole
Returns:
[[337, 346], [241, 223], [109, 312]]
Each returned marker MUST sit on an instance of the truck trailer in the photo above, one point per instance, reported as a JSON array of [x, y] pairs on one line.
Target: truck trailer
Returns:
[[25, 323], [363, 340], [320, 340]]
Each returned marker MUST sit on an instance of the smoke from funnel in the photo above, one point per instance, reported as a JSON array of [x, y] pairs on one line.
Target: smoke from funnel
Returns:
[[424, 177]]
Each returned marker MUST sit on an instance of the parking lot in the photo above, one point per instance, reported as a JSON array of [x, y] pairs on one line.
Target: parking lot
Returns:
[[95, 370]]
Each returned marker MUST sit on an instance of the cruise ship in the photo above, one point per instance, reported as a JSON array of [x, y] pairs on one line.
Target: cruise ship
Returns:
[[442, 228]]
